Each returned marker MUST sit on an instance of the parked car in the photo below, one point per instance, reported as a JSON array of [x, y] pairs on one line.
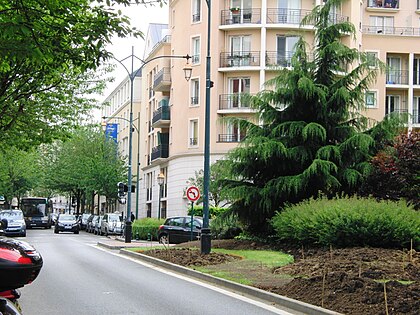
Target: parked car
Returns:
[[112, 223], [97, 228], [84, 220], [15, 222], [178, 230], [90, 225], [67, 223]]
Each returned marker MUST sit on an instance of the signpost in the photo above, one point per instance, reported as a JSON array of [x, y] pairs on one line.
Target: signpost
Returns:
[[193, 194]]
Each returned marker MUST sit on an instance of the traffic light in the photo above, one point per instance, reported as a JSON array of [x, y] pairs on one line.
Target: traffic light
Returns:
[[122, 189]]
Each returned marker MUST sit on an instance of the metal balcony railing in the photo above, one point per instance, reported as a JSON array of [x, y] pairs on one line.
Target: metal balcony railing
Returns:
[[389, 30], [240, 59], [416, 117], [162, 77], [195, 59], [285, 16], [279, 58], [231, 137], [233, 101], [162, 113], [193, 141], [397, 77], [242, 16], [386, 4], [161, 151], [196, 17], [194, 100]]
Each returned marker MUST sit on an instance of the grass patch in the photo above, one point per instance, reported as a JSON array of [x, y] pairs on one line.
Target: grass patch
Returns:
[[403, 282], [225, 275]]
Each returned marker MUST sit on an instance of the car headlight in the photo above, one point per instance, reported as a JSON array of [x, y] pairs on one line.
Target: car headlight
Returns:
[[60, 224]]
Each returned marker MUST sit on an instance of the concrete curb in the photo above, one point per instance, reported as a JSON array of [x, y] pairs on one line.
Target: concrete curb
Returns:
[[283, 301]]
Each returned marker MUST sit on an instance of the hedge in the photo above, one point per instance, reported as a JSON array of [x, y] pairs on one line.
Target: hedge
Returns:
[[146, 227]]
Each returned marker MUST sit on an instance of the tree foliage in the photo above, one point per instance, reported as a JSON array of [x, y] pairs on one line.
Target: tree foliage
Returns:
[[49, 55], [309, 139], [396, 171], [86, 163]]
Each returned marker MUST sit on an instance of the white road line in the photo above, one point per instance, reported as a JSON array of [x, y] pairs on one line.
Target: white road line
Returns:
[[203, 284]]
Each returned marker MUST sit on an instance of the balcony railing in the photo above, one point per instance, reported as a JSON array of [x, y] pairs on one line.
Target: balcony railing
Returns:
[[194, 100], [283, 58], [389, 30], [196, 17], [160, 115], [160, 152], [386, 4], [193, 141], [397, 77], [243, 16], [195, 59], [231, 137], [285, 16], [240, 59], [233, 101], [162, 80], [416, 117]]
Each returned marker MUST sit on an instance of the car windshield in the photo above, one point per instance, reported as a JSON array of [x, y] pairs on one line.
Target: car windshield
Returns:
[[14, 215], [67, 217], [114, 217]]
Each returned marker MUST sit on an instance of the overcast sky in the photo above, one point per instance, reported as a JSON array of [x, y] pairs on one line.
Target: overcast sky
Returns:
[[140, 17]]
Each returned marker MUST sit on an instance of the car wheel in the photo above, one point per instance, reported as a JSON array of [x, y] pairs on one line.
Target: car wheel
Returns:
[[76, 232], [56, 231], [164, 239], [106, 232], [23, 234]]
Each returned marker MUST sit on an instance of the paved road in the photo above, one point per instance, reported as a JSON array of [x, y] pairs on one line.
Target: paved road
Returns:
[[78, 277]]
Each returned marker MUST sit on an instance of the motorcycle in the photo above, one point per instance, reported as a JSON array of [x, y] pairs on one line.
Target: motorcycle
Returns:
[[20, 264]]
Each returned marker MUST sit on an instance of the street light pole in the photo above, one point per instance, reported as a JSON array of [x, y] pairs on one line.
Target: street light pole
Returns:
[[205, 231], [132, 75]]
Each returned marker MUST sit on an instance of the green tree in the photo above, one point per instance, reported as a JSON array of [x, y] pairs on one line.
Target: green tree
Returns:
[[85, 164], [309, 139], [50, 52], [18, 172]]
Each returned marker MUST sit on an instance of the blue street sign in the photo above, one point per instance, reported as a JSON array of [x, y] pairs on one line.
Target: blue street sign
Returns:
[[111, 131]]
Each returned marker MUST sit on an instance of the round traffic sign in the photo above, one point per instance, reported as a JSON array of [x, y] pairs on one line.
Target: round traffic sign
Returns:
[[193, 193]]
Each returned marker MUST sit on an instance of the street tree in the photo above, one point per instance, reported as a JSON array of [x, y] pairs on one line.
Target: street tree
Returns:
[[308, 137], [50, 53], [18, 172]]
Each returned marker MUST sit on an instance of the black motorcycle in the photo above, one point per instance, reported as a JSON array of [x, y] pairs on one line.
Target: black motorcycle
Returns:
[[20, 264]]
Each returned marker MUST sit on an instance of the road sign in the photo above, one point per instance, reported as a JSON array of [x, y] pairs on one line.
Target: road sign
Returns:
[[193, 193]]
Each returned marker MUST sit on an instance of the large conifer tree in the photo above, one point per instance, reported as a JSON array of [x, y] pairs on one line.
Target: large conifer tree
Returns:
[[310, 138]]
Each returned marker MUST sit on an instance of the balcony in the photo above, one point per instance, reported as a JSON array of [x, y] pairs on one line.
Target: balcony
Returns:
[[282, 59], [240, 59], [235, 102], [160, 152], [383, 4], [161, 116], [397, 77], [241, 16], [389, 30], [162, 80], [230, 137], [286, 16]]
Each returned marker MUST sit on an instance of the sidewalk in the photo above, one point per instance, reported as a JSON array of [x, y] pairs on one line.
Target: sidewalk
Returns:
[[118, 242]]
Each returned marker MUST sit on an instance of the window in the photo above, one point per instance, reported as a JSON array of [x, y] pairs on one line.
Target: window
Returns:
[[394, 70], [416, 110], [416, 71], [372, 59], [195, 91], [149, 190], [381, 24], [237, 86], [289, 11], [286, 46], [193, 133], [234, 132], [240, 47], [392, 104], [195, 50], [370, 99], [196, 11]]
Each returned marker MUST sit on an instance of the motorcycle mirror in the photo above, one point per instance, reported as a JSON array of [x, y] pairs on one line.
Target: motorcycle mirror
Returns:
[[3, 224]]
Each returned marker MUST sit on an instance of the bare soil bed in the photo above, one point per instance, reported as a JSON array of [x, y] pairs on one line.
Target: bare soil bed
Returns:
[[349, 281]]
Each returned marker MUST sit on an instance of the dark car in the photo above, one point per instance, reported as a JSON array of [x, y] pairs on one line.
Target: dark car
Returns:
[[178, 230], [90, 224], [67, 223], [84, 220], [97, 226], [15, 222]]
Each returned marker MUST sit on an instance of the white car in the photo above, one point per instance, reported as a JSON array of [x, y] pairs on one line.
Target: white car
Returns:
[[15, 222], [112, 224]]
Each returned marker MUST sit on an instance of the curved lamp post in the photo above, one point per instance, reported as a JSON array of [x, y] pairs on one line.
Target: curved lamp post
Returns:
[[132, 75], [161, 181]]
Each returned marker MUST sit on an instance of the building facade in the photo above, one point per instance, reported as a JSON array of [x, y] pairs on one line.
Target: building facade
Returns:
[[249, 39]]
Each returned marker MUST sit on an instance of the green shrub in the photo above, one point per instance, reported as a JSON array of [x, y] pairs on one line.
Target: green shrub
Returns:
[[146, 227], [226, 226], [349, 222], [213, 211]]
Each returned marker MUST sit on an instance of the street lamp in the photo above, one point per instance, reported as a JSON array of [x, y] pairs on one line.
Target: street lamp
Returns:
[[205, 231], [132, 75], [160, 180]]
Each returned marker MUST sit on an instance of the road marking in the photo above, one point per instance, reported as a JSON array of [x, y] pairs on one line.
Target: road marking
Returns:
[[197, 282]]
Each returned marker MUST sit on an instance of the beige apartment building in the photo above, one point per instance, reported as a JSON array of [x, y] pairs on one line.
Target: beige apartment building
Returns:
[[249, 39]]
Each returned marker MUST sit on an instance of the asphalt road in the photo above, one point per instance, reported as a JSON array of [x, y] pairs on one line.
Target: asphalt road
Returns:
[[78, 277]]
